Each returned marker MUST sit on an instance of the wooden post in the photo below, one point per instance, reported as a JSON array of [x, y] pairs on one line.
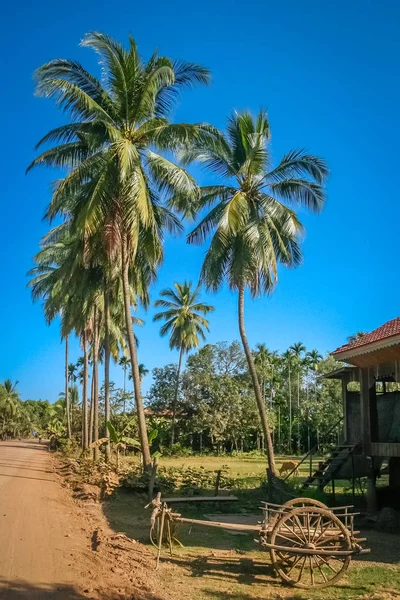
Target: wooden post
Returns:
[[217, 482], [371, 489], [394, 471], [152, 478], [353, 483], [365, 413], [345, 380]]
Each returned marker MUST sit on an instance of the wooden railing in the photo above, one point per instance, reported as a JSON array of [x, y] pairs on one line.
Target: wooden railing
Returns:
[[311, 452]]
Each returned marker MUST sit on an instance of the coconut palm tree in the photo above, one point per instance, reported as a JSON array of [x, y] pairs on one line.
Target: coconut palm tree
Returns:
[[298, 349], [262, 361], [183, 323], [311, 361], [9, 400], [253, 227], [111, 147], [124, 362]]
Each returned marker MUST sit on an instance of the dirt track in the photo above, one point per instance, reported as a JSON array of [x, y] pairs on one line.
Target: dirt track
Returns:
[[39, 537], [55, 547]]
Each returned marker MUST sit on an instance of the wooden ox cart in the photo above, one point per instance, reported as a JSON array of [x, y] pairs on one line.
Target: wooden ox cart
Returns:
[[310, 545]]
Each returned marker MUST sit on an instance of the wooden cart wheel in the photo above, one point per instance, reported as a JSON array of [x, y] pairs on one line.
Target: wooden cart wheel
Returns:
[[316, 529], [295, 503]]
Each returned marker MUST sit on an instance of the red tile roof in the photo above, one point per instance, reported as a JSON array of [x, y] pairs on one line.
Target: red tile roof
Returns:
[[388, 330]]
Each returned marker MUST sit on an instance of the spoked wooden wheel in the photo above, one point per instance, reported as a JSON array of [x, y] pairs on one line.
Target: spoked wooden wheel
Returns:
[[295, 503], [298, 502], [310, 547]]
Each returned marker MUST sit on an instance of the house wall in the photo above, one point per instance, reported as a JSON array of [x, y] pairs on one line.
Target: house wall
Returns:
[[384, 439]]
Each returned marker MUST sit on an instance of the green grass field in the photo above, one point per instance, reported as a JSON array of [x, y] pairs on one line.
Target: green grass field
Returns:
[[214, 564]]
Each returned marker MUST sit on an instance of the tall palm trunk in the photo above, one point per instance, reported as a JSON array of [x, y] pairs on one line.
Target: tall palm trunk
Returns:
[[298, 410], [256, 385], [107, 367], [95, 383], [144, 441], [124, 389], [67, 408], [290, 412], [91, 411], [85, 391], [175, 404]]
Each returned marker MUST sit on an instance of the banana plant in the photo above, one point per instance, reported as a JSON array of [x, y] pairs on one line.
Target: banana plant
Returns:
[[120, 441]]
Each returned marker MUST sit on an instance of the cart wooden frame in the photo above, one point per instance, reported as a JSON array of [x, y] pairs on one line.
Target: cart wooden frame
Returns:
[[310, 545]]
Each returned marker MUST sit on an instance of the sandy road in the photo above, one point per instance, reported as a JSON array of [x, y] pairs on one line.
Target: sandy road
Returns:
[[40, 539]]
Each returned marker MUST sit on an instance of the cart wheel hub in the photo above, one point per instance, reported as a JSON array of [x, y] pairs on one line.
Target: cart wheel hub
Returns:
[[310, 546]]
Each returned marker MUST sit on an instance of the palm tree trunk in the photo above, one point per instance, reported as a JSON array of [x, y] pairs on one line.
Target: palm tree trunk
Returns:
[[67, 390], [176, 396], [298, 411], [85, 391], [256, 385], [124, 389], [96, 383], [290, 413], [144, 441], [91, 408], [107, 368]]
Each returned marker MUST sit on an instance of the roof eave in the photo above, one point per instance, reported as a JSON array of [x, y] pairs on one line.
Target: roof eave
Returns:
[[346, 355]]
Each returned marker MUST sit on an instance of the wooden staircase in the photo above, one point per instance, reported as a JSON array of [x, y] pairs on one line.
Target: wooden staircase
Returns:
[[330, 468]]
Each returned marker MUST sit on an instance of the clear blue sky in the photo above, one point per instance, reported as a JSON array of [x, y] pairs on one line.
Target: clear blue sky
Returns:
[[328, 74]]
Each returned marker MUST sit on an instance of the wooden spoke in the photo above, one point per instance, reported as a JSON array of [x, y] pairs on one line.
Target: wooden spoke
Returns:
[[315, 558], [302, 569], [311, 570]]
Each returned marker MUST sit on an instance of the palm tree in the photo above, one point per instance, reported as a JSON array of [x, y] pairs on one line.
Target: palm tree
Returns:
[[142, 371], [253, 228], [312, 360], [9, 399], [355, 336], [124, 362], [297, 350], [72, 368], [262, 361], [111, 148], [288, 358], [184, 324]]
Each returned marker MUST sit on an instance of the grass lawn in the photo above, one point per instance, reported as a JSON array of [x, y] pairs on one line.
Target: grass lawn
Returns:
[[214, 564]]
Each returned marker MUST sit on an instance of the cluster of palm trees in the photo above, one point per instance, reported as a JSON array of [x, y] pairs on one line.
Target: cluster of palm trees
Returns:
[[14, 419], [295, 362], [125, 185]]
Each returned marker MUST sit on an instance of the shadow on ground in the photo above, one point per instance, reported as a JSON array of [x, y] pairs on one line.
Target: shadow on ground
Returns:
[[14, 590], [17, 590]]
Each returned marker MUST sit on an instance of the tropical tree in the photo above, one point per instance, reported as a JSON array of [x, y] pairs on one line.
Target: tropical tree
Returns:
[[111, 148], [184, 324], [124, 362], [355, 336], [252, 224], [298, 349]]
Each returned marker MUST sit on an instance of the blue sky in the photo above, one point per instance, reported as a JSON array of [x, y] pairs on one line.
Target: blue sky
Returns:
[[328, 74]]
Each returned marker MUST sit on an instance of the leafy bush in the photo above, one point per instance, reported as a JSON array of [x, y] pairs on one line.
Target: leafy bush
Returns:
[[185, 480]]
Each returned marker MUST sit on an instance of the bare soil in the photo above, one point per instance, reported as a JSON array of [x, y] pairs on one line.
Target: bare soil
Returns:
[[55, 547]]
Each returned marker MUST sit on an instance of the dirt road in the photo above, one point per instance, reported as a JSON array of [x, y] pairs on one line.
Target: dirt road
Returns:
[[39, 537], [52, 546]]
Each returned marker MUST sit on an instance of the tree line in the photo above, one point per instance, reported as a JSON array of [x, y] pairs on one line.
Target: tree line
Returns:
[[125, 184]]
